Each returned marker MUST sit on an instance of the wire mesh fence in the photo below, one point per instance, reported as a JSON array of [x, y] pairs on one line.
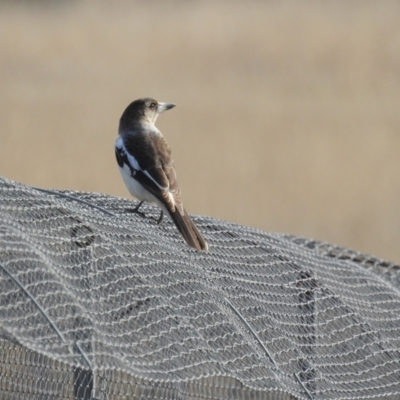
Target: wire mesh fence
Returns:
[[97, 303]]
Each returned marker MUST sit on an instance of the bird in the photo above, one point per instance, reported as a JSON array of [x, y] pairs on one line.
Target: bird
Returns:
[[147, 168]]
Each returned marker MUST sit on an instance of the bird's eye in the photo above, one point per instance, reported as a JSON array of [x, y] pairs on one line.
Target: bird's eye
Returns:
[[153, 105]]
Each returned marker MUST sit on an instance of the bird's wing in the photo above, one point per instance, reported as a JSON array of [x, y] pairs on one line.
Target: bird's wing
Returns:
[[151, 165]]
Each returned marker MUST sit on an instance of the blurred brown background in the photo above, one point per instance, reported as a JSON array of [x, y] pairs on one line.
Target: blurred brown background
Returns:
[[288, 112]]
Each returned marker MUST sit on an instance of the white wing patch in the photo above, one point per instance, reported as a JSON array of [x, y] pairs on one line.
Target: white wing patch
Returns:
[[119, 144], [149, 176]]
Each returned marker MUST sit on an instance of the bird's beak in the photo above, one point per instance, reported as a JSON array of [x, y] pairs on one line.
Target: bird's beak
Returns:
[[164, 107]]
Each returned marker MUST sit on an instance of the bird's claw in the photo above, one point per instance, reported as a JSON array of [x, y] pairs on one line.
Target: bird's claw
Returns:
[[143, 215], [159, 219], [134, 211]]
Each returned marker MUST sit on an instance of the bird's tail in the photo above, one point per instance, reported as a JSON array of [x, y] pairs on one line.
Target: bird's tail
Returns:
[[189, 230]]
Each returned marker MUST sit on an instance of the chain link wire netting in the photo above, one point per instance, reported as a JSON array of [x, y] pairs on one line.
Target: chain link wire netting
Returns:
[[97, 303]]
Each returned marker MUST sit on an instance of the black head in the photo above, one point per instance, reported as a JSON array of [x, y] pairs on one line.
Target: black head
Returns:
[[142, 111]]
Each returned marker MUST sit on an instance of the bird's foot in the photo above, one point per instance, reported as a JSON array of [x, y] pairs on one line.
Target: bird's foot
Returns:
[[143, 215], [136, 210], [159, 220], [133, 211]]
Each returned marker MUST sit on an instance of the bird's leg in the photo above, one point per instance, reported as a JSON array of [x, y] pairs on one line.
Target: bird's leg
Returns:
[[160, 218], [136, 210]]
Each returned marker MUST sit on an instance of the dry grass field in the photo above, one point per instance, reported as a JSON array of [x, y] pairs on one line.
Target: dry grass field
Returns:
[[288, 114]]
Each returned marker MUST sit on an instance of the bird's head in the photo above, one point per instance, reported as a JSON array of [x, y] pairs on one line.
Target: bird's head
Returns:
[[143, 112]]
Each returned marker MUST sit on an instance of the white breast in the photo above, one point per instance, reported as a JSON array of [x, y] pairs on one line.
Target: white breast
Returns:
[[134, 187]]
